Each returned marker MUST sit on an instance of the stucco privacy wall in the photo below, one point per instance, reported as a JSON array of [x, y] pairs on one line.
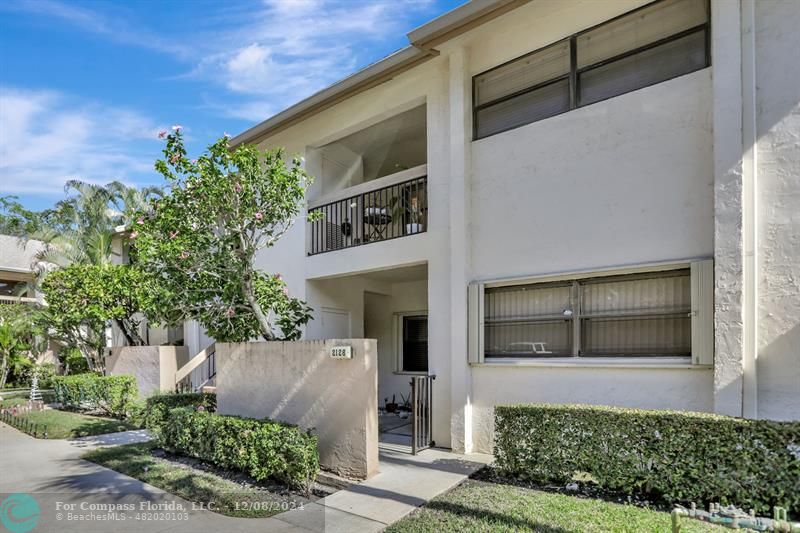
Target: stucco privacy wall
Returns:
[[778, 178], [153, 367], [299, 383]]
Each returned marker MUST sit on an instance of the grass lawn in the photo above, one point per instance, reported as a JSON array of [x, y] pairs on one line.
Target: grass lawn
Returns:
[[67, 424], [228, 497], [483, 506]]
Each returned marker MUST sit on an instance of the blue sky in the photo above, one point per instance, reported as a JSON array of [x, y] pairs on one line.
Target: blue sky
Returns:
[[85, 86]]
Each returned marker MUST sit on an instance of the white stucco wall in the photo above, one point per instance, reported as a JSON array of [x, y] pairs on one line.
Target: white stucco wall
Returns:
[[778, 178], [624, 181], [689, 390]]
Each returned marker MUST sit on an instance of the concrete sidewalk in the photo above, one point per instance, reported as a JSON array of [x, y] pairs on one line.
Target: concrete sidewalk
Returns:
[[52, 472]]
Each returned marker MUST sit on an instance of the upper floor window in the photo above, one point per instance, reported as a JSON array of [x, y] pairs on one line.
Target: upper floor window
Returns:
[[654, 43]]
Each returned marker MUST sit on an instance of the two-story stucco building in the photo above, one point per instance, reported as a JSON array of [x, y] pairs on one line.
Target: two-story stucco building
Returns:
[[584, 201]]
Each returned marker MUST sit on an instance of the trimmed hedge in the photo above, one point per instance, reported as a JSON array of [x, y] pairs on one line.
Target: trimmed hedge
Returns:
[[262, 448], [676, 456], [157, 407], [114, 395]]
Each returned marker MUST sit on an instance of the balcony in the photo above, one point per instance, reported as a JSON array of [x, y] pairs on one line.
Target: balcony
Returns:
[[380, 210]]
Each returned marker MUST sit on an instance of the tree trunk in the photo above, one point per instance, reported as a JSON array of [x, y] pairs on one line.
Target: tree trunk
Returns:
[[4, 372], [121, 326], [129, 331], [263, 321]]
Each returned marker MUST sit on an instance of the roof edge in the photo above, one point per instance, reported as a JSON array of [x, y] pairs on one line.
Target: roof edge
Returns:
[[423, 38], [459, 20], [365, 78]]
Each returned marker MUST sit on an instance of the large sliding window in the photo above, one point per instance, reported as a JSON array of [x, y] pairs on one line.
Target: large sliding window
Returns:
[[654, 43], [646, 314]]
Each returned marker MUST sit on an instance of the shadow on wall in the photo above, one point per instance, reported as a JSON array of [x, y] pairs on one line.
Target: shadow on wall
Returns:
[[300, 383], [778, 373]]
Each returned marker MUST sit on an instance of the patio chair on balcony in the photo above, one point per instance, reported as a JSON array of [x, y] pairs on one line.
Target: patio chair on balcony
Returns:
[[378, 219]]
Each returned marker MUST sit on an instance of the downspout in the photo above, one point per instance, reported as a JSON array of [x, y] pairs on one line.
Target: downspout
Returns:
[[749, 211]]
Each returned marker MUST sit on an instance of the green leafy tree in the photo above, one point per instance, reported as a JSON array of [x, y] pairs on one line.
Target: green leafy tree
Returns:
[[21, 339], [16, 220], [200, 241], [83, 299]]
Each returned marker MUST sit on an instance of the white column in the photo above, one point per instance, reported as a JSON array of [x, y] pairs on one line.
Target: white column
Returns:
[[734, 207], [438, 230], [460, 158]]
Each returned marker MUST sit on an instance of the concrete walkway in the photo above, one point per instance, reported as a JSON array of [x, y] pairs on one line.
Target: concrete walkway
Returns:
[[53, 473]]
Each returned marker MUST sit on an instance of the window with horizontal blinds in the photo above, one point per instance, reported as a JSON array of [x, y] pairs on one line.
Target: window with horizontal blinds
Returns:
[[528, 320], [415, 343], [651, 44], [630, 315]]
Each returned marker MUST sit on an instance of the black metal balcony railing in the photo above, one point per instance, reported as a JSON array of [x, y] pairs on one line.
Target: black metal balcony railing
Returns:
[[387, 213]]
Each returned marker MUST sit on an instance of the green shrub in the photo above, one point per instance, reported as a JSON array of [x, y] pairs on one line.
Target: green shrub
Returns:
[[74, 362], [46, 373], [679, 457], [114, 395], [262, 448], [157, 407]]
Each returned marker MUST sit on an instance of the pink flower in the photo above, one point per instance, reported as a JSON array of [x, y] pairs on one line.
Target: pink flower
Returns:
[[201, 408], [230, 312], [140, 220], [134, 234], [286, 291], [237, 188], [162, 134], [184, 254], [278, 276], [194, 161], [174, 159], [177, 127], [259, 216]]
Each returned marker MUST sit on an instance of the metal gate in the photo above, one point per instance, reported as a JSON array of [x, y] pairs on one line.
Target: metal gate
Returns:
[[421, 411]]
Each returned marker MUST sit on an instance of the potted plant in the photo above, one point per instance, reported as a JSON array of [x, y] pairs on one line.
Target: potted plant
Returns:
[[407, 209], [414, 217], [391, 407]]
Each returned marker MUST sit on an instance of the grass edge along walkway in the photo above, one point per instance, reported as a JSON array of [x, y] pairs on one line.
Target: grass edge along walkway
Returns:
[[227, 497], [480, 506]]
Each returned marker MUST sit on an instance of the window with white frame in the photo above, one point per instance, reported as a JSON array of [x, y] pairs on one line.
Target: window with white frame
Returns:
[[666, 312], [652, 44]]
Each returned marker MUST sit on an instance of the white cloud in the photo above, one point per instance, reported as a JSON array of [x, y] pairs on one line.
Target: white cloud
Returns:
[[48, 138], [113, 27], [292, 48]]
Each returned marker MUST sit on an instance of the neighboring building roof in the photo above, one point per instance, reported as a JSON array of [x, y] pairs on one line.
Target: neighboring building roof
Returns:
[[422, 39], [17, 255]]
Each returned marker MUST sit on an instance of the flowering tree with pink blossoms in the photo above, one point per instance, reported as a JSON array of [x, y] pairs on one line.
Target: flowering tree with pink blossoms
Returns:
[[199, 242]]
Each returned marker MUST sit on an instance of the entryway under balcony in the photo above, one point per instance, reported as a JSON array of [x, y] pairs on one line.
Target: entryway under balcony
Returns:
[[391, 306]]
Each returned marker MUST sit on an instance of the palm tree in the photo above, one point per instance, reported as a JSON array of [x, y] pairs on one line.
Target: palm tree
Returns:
[[88, 221]]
